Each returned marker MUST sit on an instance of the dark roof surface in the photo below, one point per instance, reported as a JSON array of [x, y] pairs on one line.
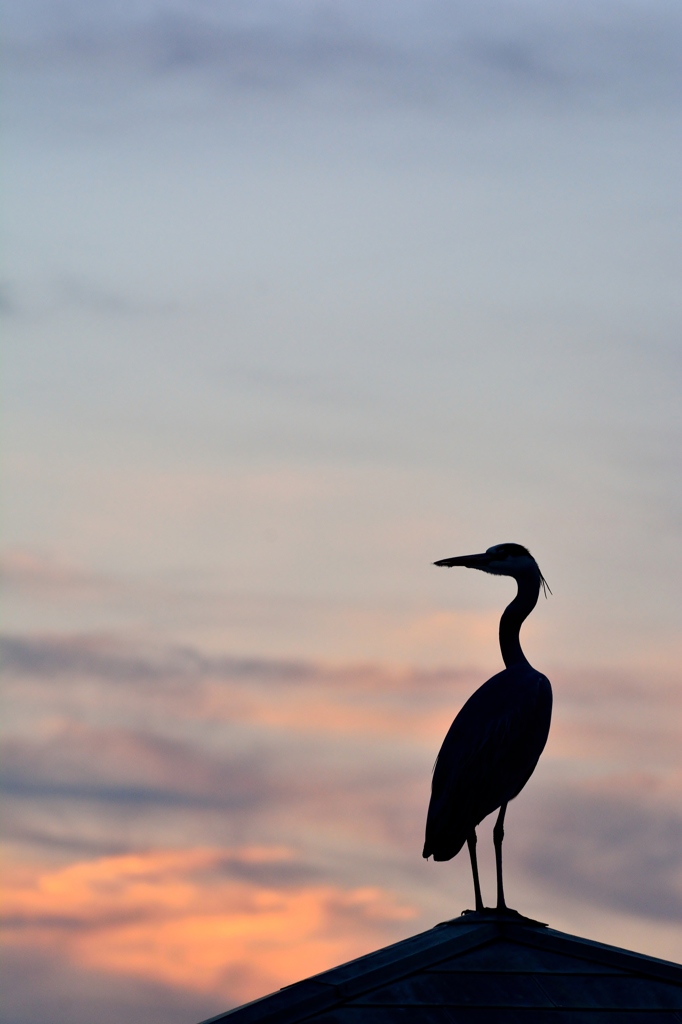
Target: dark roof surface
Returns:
[[476, 969]]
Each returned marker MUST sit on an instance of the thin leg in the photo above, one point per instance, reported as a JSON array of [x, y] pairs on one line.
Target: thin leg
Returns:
[[498, 836], [471, 843]]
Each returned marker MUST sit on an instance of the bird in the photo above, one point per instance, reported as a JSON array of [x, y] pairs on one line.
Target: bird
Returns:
[[495, 742]]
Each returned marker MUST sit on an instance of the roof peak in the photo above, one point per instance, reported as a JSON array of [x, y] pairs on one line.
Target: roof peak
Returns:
[[502, 962], [493, 915]]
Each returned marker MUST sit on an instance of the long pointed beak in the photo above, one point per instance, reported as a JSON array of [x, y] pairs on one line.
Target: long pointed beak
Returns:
[[468, 561]]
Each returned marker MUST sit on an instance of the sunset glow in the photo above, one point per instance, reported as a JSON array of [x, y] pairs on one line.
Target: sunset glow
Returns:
[[298, 299], [168, 915]]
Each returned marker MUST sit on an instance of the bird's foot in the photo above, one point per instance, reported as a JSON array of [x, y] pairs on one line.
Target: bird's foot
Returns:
[[498, 914], [494, 912]]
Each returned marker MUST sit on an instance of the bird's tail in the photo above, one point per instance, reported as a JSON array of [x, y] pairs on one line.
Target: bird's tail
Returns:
[[443, 849]]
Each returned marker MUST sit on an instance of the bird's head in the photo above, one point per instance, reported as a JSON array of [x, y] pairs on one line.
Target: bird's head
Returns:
[[502, 560]]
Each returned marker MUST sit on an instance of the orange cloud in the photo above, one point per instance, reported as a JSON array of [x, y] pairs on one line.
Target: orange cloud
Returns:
[[177, 917]]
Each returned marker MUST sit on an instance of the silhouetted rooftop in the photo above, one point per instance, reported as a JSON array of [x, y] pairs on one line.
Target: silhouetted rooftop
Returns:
[[476, 969]]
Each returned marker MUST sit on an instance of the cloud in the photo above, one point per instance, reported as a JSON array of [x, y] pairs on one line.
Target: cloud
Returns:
[[173, 916], [211, 920], [258, 740], [68, 994], [270, 620], [616, 843], [110, 789], [87, 294], [133, 768], [596, 712], [258, 746], [422, 51], [188, 807], [108, 658], [111, 657], [273, 692], [54, 295]]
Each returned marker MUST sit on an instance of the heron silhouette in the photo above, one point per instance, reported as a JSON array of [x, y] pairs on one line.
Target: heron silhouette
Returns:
[[494, 743]]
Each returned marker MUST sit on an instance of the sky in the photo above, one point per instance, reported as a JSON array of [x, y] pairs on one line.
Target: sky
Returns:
[[299, 297]]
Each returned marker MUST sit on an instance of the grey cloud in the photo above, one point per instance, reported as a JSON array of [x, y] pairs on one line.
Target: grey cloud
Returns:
[[113, 659], [52, 835], [110, 660], [69, 995], [410, 49], [50, 295], [89, 294], [358, 779], [279, 874], [134, 769], [625, 854], [79, 787]]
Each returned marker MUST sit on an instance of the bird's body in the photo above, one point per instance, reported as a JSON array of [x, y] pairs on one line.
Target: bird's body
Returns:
[[487, 756], [494, 743]]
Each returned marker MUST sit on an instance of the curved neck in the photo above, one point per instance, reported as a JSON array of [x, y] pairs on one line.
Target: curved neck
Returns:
[[512, 618]]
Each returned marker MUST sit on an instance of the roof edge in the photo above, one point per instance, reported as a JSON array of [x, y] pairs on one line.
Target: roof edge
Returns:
[[602, 952], [338, 984], [334, 987]]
